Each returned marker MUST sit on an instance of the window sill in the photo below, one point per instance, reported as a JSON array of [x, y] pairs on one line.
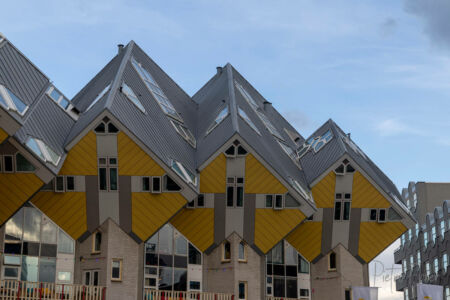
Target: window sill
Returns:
[[242, 261], [225, 261], [332, 270], [116, 280], [96, 252]]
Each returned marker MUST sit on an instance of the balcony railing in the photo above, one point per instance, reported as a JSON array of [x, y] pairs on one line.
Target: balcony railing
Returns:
[[23, 290], [174, 295], [282, 298]]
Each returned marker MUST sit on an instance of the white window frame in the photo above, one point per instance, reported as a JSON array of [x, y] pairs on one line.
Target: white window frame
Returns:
[[184, 173], [131, 97], [245, 290], [152, 190], [235, 186], [223, 258], [13, 163], [107, 166], [120, 278], [55, 185], [184, 132], [91, 277], [43, 148], [99, 96], [10, 103], [219, 119]]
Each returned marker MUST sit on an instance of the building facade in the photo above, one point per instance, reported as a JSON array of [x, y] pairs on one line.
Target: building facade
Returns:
[[157, 190], [424, 249]]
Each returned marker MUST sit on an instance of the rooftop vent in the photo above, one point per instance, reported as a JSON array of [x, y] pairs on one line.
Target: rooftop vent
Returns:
[[266, 105], [120, 48], [219, 70]]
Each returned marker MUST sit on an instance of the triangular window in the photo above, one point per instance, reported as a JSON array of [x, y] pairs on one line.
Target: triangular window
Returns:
[[99, 96], [220, 117], [245, 117], [11, 102], [127, 91]]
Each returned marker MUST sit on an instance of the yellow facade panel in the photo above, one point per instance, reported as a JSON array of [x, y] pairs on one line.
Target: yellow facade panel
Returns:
[[3, 135], [82, 158], [133, 161], [213, 176], [375, 237], [151, 211], [307, 239], [271, 226], [323, 191], [67, 210], [197, 225], [258, 180], [15, 190], [365, 195]]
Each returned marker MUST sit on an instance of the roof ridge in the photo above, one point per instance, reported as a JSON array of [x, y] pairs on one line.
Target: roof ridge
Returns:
[[119, 74], [335, 127], [233, 105]]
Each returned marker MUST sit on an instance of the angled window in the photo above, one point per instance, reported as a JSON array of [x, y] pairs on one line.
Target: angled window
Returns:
[[99, 96], [247, 96], [288, 150], [23, 165], [299, 188], [332, 264], [220, 117], [269, 125], [226, 251], [170, 185], [242, 252], [11, 102], [245, 117], [315, 143], [132, 96], [184, 132], [156, 91], [184, 173], [43, 151], [58, 97]]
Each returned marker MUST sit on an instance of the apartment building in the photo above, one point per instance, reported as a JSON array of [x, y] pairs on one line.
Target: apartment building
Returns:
[[135, 186]]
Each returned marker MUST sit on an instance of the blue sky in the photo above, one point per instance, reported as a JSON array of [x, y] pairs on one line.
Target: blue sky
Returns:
[[380, 69]]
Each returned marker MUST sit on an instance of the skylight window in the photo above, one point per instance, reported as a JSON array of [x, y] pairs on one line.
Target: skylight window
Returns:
[[244, 116], [299, 188], [247, 96], [289, 151], [99, 96], [184, 132], [181, 170], [11, 102], [59, 98], [315, 143], [269, 125], [220, 117], [43, 151], [154, 88], [132, 96]]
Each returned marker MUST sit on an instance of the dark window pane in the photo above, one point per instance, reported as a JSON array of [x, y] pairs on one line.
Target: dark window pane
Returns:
[[48, 250], [346, 211], [70, 183], [180, 261], [165, 279], [165, 260], [11, 272], [156, 184], [278, 287], [240, 180], [97, 241], [304, 292], [102, 178], [241, 150], [347, 295], [150, 282], [12, 248], [241, 290], [180, 279], [195, 257], [194, 285], [8, 166], [95, 279], [227, 250], [146, 184], [171, 185], [113, 179], [22, 164], [230, 196], [278, 201], [59, 183], [269, 290], [291, 288], [338, 196], [115, 272], [240, 196], [230, 151], [87, 278], [373, 214], [350, 169], [29, 269], [269, 269], [382, 215], [278, 270], [332, 261], [151, 259], [31, 249], [269, 201], [303, 265], [340, 169], [47, 269], [348, 196], [100, 128], [291, 271], [112, 128], [191, 204], [337, 210], [201, 200]]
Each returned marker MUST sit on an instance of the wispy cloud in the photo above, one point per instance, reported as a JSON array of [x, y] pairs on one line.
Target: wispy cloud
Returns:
[[394, 127]]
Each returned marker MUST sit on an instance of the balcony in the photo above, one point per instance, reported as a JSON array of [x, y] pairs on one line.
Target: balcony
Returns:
[[171, 295], [401, 282], [23, 290], [281, 298], [399, 255]]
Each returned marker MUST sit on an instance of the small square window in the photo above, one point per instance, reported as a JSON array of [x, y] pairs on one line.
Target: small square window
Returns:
[[113, 161], [191, 204], [382, 215], [230, 180], [102, 161], [240, 180], [348, 196], [278, 201], [338, 196]]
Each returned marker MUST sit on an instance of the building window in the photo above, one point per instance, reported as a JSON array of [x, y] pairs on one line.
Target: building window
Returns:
[[342, 207], [70, 183], [242, 290], [447, 293], [170, 185], [275, 201], [406, 294], [436, 266], [235, 191], [348, 294], [427, 268], [59, 184], [332, 261], [304, 293], [303, 265], [242, 252], [220, 117], [226, 251], [22, 164], [445, 262], [146, 184], [433, 234], [194, 285], [108, 173], [8, 164], [116, 269], [201, 200], [97, 242], [418, 258], [91, 277], [425, 239]]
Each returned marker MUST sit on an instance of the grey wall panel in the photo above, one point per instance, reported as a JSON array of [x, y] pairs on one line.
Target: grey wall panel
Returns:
[[249, 218], [125, 203], [327, 230], [92, 203], [219, 218], [355, 223]]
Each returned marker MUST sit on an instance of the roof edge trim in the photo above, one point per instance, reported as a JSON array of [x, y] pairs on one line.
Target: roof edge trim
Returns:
[[233, 108]]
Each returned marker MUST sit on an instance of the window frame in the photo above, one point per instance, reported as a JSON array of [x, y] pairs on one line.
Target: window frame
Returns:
[[330, 269], [94, 243], [152, 190], [130, 97], [184, 132], [120, 260], [244, 250], [224, 259], [5, 94], [235, 186], [13, 164], [108, 166], [55, 184], [219, 119], [245, 283]]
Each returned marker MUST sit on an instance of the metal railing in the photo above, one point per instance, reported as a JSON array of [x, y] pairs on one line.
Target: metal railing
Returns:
[[23, 290], [174, 295], [282, 298]]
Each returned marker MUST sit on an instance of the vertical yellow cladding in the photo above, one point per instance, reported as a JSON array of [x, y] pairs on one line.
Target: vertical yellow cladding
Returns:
[[366, 195], [15, 190], [151, 211], [82, 158], [3, 135], [307, 239], [213, 176], [258, 180], [375, 237], [133, 161], [271, 226], [67, 210], [197, 225], [323, 191]]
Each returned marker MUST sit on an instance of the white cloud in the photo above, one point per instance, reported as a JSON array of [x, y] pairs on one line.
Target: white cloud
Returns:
[[393, 127]]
